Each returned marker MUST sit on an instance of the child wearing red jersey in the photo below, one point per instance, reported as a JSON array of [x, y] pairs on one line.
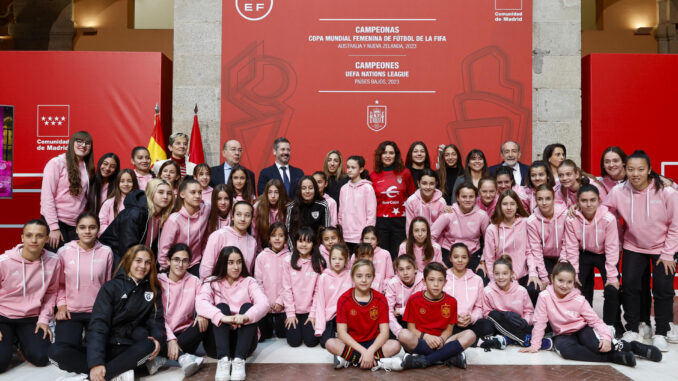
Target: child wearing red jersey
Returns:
[[362, 325], [431, 315]]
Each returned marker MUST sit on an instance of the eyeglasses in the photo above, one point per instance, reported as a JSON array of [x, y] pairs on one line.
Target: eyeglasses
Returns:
[[80, 142], [180, 261]]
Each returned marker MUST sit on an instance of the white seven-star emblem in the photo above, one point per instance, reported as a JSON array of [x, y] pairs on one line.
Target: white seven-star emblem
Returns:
[[396, 211]]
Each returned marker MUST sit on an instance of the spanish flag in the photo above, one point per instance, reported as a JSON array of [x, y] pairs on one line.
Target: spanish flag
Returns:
[[157, 144]]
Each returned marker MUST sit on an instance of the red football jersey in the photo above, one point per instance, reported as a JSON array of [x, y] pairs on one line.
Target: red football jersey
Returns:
[[392, 190], [431, 316], [362, 321]]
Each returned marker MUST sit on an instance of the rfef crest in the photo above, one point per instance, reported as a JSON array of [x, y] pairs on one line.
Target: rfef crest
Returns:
[[446, 311], [254, 10], [374, 313], [376, 117]]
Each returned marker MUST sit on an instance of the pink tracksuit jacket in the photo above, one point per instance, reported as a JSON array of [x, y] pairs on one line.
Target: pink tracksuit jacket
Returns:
[[546, 239], [298, 287], [28, 288], [419, 254], [268, 271], [570, 197], [332, 205], [455, 227], [566, 316], [328, 290], [243, 290], [107, 214], [82, 274], [222, 238], [56, 202], [511, 240], [207, 196], [599, 236], [487, 209], [383, 268], [143, 179], [178, 302], [468, 290], [357, 209], [514, 299], [650, 218], [397, 294], [415, 206], [181, 227]]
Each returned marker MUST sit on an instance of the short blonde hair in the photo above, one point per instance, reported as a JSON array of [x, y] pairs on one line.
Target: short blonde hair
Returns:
[[151, 188]]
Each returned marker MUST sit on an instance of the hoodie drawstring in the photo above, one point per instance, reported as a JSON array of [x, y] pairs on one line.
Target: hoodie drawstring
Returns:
[[77, 271], [23, 273], [503, 239], [543, 240]]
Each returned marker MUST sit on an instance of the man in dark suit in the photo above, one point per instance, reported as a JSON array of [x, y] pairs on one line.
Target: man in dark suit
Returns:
[[232, 152], [510, 153], [281, 169]]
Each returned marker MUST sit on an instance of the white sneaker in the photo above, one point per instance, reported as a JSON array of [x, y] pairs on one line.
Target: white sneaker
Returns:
[[630, 336], [223, 370], [127, 376], [645, 331], [154, 365], [190, 364], [73, 377], [238, 371], [340, 362], [659, 341], [672, 335], [388, 364]]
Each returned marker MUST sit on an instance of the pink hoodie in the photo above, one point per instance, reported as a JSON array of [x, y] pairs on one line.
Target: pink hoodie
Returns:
[[570, 197], [609, 183], [268, 270], [516, 299], [181, 227], [207, 196], [357, 209], [546, 239], [599, 236], [298, 287], [28, 288], [566, 316], [487, 209], [222, 238], [455, 227], [415, 206], [82, 274], [511, 240], [243, 290], [328, 290], [397, 295], [56, 202], [383, 268], [332, 205], [419, 254], [650, 218], [143, 179], [468, 290], [178, 310], [107, 214]]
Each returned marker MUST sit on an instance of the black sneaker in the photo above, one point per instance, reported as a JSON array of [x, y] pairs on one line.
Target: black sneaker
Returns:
[[414, 362], [493, 342], [649, 352], [459, 361], [624, 358]]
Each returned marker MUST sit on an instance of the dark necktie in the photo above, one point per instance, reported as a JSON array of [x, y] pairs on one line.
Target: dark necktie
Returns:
[[286, 180]]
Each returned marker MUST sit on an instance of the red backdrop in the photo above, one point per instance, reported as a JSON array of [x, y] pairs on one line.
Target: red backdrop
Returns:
[[446, 71], [109, 94]]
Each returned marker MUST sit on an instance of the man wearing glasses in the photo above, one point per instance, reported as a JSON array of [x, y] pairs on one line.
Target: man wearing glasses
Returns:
[[232, 153], [510, 153]]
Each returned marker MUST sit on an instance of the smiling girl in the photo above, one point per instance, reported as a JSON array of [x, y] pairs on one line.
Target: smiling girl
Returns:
[[141, 161], [107, 170], [546, 232], [332, 283], [333, 167], [357, 202], [269, 208], [220, 209], [427, 201], [122, 186], [571, 179], [202, 174], [417, 160], [408, 280], [241, 185], [235, 235], [308, 208]]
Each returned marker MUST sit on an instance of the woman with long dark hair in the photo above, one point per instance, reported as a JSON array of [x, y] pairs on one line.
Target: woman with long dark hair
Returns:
[[417, 160], [107, 171], [308, 208]]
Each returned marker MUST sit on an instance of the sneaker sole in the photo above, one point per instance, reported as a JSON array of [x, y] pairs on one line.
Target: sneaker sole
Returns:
[[191, 369]]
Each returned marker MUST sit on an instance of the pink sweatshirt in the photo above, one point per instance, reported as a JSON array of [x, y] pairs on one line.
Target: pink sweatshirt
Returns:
[[107, 214], [566, 316], [397, 294], [82, 274], [468, 290], [28, 288], [455, 227], [570, 197], [56, 202], [143, 179], [332, 205], [243, 290], [419, 254], [222, 238], [609, 183], [487, 209], [516, 299], [182, 227], [546, 239], [650, 218], [298, 287], [328, 290], [268, 270], [207, 196], [599, 236], [415, 206], [357, 209], [383, 268], [178, 302], [511, 240]]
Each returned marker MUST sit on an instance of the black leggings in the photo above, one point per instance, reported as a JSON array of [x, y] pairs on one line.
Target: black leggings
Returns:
[[581, 346], [303, 333], [70, 331], [32, 345], [482, 328], [473, 263], [514, 329], [225, 341], [330, 332], [119, 358], [67, 231], [195, 270], [188, 340], [532, 290], [587, 263], [391, 233], [272, 323]]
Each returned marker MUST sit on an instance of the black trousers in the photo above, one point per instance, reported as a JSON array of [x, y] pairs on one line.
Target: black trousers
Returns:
[[532, 290], [33, 346], [330, 332], [482, 328], [195, 270], [224, 341], [188, 340], [302, 333], [581, 346], [70, 331], [391, 233], [587, 263], [515, 329], [634, 267], [67, 231], [549, 263], [272, 324]]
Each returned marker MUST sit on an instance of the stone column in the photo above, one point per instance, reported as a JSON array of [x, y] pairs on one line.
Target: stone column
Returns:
[[667, 18]]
